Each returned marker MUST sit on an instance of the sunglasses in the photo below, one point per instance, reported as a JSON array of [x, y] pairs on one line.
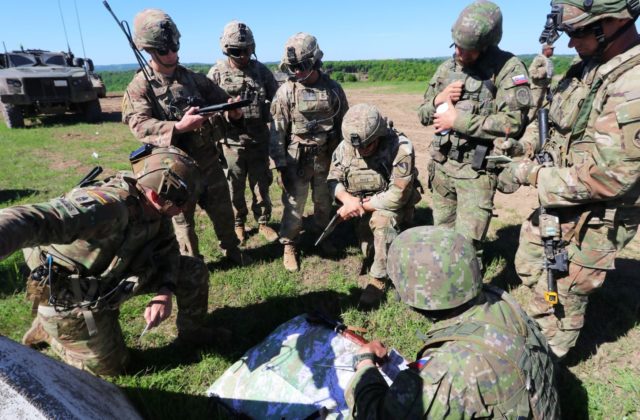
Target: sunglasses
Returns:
[[580, 33], [237, 52], [301, 66], [164, 51]]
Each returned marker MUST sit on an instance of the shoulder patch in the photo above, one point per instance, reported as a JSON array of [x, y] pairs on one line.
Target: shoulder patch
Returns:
[[520, 79], [523, 96], [101, 196], [64, 205]]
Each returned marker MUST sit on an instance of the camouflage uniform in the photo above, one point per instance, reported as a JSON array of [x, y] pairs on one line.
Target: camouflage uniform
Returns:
[[486, 360], [593, 188], [246, 148], [154, 124], [103, 243], [306, 130], [494, 104], [388, 179], [541, 72]]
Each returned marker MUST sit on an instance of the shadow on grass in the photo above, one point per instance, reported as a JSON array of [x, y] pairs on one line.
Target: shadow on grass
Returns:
[[504, 246], [249, 325], [574, 399], [13, 275], [11, 195], [613, 310], [160, 404]]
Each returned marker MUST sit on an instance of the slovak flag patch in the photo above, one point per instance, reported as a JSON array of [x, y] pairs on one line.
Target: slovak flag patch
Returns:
[[520, 79]]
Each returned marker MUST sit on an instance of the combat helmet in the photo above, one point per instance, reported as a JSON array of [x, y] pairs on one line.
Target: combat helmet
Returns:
[[301, 52], [434, 268], [575, 16], [362, 124], [478, 27], [237, 36], [153, 28], [168, 171]]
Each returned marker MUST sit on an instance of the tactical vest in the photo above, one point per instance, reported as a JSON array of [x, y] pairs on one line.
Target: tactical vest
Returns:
[[173, 98], [314, 107], [527, 351], [243, 82], [478, 97], [368, 176], [93, 269]]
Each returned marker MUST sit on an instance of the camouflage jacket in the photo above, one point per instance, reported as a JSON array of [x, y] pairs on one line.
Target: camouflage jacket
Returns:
[[489, 362], [388, 176], [156, 126], [594, 138], [495, 102], [97, 231], [306, 114], [256, 80], [541, 70]]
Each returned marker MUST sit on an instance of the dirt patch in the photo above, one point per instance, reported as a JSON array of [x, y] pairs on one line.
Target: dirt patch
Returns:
[[112, 103]]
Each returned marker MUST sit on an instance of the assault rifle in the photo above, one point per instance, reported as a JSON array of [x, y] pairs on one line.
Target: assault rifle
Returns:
[[227, 106], [556, 257]]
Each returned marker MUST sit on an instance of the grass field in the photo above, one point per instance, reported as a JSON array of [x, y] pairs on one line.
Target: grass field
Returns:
[[601, 378]]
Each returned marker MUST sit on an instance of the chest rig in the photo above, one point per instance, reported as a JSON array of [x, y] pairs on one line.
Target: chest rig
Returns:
[[478, 98], [364, 177], [314, 108], [246, 83]]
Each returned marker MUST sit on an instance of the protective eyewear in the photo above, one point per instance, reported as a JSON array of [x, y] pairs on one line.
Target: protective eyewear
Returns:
[[301, 66], [237, 52], [164, 51]]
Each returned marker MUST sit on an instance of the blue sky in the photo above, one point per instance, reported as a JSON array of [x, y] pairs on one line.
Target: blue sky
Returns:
[[346, 30]]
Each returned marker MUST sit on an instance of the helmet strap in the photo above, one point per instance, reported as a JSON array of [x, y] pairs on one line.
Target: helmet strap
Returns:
[[604, 41]]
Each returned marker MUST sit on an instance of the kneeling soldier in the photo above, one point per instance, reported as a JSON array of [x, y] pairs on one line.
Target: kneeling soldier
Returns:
[[98, 245], [373, 175]]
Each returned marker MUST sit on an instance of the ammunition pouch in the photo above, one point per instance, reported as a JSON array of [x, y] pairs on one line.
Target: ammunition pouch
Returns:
[[473, 152]]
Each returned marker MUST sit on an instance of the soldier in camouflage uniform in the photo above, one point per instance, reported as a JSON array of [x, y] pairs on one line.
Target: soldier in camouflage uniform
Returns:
[[541, 73], [98, 245], [486, 94], [483, 357], [307, 113], [158, 112], [373, 176], [246, 148], [594, 185]]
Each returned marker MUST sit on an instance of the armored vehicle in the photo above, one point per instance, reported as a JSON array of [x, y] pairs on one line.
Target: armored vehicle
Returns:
[[37, 82]]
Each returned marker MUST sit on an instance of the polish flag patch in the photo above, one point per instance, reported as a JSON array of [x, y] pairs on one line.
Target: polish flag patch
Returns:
[[520, 79]]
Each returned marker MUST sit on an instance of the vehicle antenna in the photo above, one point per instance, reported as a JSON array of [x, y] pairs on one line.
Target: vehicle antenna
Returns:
[[64, 27], [6, 55], [84, 53]]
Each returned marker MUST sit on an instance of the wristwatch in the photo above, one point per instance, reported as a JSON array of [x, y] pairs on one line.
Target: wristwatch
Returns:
[[357, 358]]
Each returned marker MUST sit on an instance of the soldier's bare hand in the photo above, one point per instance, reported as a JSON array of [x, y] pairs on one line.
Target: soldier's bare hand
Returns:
[[351, 207], [234, 114], [376, 347], [190, 121], [452, 92], [443, 121], [158, 309]]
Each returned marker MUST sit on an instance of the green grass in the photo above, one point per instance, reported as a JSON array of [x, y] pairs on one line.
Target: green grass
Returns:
[[600, 380]]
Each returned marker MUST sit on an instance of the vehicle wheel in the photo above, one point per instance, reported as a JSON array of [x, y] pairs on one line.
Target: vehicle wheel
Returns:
[[92, 111], [12, 116]]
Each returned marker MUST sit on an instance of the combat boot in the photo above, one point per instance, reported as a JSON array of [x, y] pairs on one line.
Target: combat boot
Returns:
[[267, 232], [373, 293], [205, 336], [289, 258], [36, 336], [239, 230], [237, 256]]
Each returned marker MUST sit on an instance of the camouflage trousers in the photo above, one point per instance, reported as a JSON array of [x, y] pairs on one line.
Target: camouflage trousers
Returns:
[[250, 162], [105, 352], [465, 205], [214, 198], [296, 179], [592, 252], [376, 231]]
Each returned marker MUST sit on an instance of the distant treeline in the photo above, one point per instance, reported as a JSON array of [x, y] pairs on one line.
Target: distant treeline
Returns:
[[351, 71]]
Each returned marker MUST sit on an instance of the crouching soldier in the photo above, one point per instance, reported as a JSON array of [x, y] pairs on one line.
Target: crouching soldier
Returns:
[[97, 246], [373, 175]]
